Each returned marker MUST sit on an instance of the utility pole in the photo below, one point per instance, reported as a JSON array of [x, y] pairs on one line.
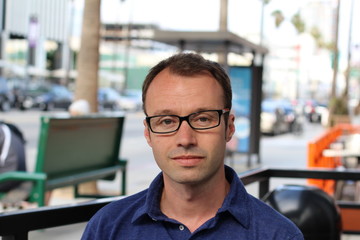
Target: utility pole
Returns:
[[336, 51], [68, 52], [223, 27], [223, 15], [347, 73]]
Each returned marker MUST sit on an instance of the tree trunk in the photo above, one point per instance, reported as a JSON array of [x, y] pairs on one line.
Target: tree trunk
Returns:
[[88, 67], [336, 51], [88, 59]]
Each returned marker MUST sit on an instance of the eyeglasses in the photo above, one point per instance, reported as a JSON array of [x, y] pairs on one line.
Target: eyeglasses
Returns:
[[202, 120]]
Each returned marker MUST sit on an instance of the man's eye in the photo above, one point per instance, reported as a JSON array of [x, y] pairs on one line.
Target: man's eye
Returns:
[[167, 121], [203, 119]]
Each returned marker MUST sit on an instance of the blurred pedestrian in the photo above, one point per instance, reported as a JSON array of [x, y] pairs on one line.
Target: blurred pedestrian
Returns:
[[187, 102], [356, 114], [13, 159], [12, 153], [79, 107]]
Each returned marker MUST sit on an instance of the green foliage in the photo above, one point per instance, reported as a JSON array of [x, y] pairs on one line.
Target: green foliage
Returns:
[[279, 17], [316, 34], [298, 23], [296, 20]]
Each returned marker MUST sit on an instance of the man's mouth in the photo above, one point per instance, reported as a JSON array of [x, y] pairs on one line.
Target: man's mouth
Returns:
[[188, 160]]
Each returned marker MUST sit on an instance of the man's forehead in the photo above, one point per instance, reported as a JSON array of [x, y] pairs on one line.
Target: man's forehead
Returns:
[[172, 91], [174, 111]]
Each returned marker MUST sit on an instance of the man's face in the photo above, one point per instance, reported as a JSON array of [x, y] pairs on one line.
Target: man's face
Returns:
[[187, 156]]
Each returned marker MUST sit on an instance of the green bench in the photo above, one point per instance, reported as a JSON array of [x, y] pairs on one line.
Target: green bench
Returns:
[[73, 150]]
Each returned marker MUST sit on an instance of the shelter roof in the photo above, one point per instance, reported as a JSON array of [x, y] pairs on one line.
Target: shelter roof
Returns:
[[208, 41]]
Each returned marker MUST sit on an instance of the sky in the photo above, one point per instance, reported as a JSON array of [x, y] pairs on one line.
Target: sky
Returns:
[[244, 16]]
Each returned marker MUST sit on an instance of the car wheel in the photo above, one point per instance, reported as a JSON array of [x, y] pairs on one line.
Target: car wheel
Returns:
[[50, 106], [5, 106], [314, 118], [43, 106], [21, 107], [115, 107], [276, 131]]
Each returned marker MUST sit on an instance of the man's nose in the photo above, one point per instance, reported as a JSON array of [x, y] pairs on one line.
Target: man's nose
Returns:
[[186, 136]]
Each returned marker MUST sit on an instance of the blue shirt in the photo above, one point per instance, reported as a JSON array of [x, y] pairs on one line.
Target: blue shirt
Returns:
[[241, 216]]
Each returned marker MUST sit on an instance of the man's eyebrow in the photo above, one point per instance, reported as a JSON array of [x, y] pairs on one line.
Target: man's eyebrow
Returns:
[[171, 112], [163, 112]]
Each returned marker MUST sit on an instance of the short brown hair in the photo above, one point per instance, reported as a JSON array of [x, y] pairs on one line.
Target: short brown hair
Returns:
[[190, 64]]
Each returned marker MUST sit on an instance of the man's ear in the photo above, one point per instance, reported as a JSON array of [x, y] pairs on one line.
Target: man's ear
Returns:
[[230, 127], [147, 133]]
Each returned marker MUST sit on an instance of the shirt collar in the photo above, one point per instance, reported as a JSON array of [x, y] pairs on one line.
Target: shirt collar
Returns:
[[151, 208], [236, 202]]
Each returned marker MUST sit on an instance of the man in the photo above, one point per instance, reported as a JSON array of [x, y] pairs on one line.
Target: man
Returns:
[[187, 102], [13, 158], [12, 153]]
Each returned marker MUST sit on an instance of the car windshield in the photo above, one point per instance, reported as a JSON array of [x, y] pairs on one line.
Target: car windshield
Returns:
[[268, 106], [132, 93], [3, 85], [36, 90], [108, 94], [61, 91]]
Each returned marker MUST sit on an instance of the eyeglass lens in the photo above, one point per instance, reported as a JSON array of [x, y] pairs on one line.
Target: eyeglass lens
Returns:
[[200, 120]]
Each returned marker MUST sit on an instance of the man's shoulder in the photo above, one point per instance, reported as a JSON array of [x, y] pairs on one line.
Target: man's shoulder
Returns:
[[264, 216], [114, 216], [261, 210]]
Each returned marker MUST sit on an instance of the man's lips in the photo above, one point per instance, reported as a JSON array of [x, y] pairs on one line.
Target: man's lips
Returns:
[[187, 160], [186, 157]]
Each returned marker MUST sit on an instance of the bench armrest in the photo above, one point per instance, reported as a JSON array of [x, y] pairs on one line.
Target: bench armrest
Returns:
[[122, 162], [38, 191], [25, 176]]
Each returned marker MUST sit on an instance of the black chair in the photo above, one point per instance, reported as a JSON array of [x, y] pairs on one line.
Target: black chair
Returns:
[[310, 208]]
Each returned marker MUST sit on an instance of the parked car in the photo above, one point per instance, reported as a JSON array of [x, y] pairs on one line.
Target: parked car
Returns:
[[276, 117], [6, 96], [314, 111], [25, 95], [109, 98], [131, 100], [43, 96], [55, 96]]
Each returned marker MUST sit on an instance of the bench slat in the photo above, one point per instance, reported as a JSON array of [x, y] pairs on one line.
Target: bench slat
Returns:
[[82, 177]]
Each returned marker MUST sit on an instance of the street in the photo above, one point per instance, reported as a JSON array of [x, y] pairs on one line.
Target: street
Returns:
[[286, 151]]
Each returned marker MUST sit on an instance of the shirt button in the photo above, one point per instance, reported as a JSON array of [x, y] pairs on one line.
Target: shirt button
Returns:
[[181, 227]]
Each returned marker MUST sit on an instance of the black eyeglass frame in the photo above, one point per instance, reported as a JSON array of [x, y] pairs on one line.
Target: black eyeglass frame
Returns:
[[186, 118]]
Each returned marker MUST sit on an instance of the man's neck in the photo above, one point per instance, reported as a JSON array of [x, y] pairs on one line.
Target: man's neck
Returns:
[[193, 205]]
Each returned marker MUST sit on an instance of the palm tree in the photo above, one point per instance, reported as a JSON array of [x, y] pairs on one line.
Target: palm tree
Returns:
[[298, 23], [88, 58], [88, 66], [279, 17], [296, 20], [338, 109], [337, 104]]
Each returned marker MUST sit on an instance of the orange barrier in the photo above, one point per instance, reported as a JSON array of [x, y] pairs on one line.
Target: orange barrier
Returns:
[[316, 158]]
